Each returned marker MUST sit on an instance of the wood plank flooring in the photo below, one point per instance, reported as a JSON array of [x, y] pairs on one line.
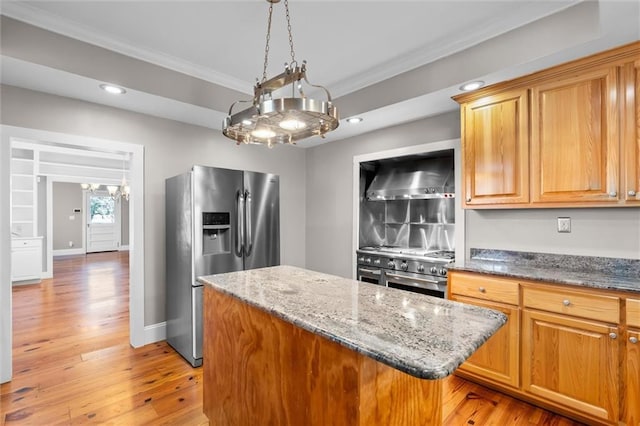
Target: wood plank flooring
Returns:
[[72, 363]]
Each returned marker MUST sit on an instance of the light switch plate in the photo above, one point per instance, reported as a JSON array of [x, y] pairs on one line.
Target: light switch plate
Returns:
[[564, 224]]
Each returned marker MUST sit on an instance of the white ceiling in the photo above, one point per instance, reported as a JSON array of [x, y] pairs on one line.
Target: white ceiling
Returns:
[[350, 46]]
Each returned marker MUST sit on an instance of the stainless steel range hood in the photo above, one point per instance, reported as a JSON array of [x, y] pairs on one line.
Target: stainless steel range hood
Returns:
[[424, 178]]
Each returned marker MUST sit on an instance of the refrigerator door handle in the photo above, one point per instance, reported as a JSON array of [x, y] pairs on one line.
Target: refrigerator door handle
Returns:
[[239, 223], [248, 245]]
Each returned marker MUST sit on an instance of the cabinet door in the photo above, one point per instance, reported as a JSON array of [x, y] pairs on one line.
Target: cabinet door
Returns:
[[26, 259], [574, 139], [633, 378], [572, 362], [630, 125], [495, 144], [498, 359]]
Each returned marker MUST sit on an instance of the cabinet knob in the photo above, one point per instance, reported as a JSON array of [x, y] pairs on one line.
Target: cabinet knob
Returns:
[[631, 192], [468, 199], [613, 335], [613, 194], [566, 302], [633, 339], [482, 290]]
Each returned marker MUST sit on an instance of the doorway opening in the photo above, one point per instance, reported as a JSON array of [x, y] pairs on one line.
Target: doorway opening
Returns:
[[73, 148]]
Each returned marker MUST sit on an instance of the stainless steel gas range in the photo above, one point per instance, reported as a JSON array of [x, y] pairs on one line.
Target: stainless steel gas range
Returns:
[[412, 269]]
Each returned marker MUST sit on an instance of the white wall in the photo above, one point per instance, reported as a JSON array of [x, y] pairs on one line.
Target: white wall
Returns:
[[605, 232], [66, 197], [329, 224], [170, 148]]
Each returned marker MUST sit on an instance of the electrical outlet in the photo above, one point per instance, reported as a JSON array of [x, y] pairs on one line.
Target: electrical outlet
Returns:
[[564, 224], [70, 243]]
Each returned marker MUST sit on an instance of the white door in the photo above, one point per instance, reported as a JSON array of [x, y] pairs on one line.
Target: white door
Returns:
[[103, 223]]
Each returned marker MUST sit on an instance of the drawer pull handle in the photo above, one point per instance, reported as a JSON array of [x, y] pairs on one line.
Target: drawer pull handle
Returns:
[[613, 335], [613, 194], [633, 339], [632, 192], [482, 290], [566, 302]]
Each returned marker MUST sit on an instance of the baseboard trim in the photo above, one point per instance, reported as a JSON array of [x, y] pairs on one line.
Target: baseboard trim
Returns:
[[155, 332], [67, 252]]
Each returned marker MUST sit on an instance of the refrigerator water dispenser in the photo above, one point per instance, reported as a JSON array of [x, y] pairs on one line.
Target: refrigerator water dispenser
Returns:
[[216, 233]]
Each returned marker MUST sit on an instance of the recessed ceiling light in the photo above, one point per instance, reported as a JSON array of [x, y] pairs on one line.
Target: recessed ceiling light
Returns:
[[114, 90], [467, 87], [354, 120]]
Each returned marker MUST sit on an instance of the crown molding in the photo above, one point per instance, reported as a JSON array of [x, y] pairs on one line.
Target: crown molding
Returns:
[[437, 50]]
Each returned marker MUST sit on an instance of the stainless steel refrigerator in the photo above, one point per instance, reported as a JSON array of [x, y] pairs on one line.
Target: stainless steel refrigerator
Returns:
[[217, 220]]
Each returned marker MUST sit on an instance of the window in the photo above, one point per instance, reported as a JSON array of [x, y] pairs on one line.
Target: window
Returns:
[[102, 209]]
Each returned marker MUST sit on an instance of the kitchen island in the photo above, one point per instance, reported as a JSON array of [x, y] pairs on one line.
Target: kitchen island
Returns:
[[288, 346]]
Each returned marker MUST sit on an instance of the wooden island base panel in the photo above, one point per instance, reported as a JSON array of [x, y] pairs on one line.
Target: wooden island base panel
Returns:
[[288, 346], [259, 369]]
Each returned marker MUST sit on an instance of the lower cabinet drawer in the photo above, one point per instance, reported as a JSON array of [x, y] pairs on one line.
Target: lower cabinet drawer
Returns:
[[485, 287], [578, 304]]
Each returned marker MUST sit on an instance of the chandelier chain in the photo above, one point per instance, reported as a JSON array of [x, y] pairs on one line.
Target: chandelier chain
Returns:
[[266, 47], [293, 54]]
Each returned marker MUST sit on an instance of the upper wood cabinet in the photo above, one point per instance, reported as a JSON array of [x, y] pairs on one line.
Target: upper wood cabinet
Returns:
[[574, 138], [496, 148], [630, 131], [567, 136]]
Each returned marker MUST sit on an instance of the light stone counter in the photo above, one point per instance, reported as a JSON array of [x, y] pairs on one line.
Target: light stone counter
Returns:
[[420, 335], [581, 271]]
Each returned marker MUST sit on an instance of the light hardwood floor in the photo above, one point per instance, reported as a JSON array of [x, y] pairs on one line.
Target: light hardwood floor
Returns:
[[73, 364]]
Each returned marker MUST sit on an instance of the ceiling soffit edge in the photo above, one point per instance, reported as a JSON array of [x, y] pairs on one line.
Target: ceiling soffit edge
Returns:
[[36, 17], [407, 62]]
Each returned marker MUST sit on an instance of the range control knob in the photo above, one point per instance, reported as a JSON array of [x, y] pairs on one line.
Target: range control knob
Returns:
[[361, 259], [433, 270], [404, 266], [391, 265], [367, 260], [376, 261], [421, 268], [443, 271]]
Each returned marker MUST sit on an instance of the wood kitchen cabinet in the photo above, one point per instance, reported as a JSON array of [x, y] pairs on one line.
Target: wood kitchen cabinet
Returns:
[[498, 359], [571, 350], [574, 138], [630, 131], [567, 136], [632, 356], [496, 149]]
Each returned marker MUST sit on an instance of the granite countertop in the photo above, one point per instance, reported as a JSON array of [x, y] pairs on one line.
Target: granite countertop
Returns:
[[582, 271], [420, 335]]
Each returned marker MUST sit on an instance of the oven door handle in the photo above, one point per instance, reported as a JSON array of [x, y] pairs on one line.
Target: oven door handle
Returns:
[[405, 279], [369, 271]]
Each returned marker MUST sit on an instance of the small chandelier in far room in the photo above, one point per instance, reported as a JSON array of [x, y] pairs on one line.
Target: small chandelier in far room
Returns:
[[123, 190], [281, 120]]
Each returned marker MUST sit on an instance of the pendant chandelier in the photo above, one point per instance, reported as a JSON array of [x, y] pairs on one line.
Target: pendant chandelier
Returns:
[[123, 190], [279, 120]]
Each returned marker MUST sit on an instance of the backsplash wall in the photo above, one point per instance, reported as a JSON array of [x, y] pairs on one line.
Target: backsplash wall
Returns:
[[603, 232]]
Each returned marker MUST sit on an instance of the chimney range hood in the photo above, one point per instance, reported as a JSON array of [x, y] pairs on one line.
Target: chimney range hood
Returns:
[[415, 178]]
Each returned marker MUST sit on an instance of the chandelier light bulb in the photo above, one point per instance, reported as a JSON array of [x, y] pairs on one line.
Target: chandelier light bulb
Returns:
[[263, 133], [293, 124]]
